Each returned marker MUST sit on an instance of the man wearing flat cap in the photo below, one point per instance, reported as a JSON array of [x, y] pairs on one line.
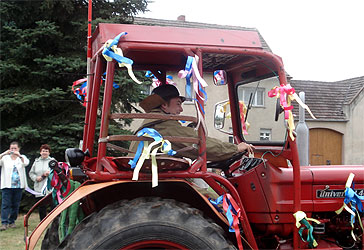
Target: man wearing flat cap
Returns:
[[166, 99]]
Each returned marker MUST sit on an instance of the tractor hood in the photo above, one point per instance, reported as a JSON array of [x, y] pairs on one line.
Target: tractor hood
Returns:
[[328, 185]]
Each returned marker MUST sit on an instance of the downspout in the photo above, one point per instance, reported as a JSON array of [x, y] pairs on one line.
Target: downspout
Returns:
[[303, 135]]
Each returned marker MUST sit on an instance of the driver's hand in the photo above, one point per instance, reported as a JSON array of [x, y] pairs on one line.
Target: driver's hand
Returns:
[[244, 146]]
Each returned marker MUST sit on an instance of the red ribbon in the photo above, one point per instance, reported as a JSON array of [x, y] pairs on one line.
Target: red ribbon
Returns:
[[235, 212]]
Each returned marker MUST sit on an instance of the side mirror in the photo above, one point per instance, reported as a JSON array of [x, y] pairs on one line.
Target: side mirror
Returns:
[[219, 117], [220, 77], [222, 111]]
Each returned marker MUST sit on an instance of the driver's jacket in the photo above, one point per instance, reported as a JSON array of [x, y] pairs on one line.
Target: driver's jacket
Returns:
[[216, 150]]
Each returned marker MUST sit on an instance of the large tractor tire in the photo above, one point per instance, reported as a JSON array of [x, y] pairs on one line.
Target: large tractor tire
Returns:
[[51, 238], [147, 223]]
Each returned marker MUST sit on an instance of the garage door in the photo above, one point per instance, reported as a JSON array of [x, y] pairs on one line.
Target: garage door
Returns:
[[325, 147]]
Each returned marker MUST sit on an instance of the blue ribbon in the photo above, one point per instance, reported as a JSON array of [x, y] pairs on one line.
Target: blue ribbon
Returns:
[[216, 202], [115, 86], [188, 68], [202, 90], [229, 211], [149, 74], [203, 111], [108, 51], [156, 136], [355, 200], [133, 162], [116, 39]]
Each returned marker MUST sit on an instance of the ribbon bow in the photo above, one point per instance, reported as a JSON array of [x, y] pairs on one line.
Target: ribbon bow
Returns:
[[111, 51], [286, 94], [301, 218], [145, 151], [232, 212], [59, 191], [352, 198]]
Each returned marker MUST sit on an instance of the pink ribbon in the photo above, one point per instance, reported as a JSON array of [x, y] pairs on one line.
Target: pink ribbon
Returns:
[[283, 91]]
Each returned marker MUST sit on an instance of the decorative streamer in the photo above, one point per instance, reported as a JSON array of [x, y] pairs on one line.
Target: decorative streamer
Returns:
[[243, 109], [286, 94], [111, 51], [156, 82], [352, 198], [301, 218], [81, 91], [191, 70], [59, 191], [232, 212], [145, 151], [200, 120], [198, 83]]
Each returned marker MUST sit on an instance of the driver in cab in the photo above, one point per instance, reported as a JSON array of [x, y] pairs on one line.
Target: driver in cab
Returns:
[[166, 99]]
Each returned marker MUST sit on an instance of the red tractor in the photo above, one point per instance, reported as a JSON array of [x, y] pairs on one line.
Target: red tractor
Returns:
[[265, 201]]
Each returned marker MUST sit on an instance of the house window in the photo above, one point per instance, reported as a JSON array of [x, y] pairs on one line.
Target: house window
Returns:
[[257, 98], [265, 134]]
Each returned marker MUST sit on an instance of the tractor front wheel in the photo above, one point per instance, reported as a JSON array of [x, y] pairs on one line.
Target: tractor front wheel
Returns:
[[146, 223]]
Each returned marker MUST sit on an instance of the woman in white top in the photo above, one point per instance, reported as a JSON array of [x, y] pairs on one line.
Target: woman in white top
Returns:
[[39, 173], [13, 181]]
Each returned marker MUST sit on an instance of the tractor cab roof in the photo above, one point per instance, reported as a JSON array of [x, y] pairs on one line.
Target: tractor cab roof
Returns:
[[167, 48]]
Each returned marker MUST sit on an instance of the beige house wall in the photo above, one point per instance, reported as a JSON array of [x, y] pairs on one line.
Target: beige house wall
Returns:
[[333, 125], [354, 134]]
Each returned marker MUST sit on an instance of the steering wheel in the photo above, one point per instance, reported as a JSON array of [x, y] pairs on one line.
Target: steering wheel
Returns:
[[225, 164], [279, 110]]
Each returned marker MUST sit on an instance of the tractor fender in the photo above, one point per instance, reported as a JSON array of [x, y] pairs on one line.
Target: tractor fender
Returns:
[[197, 199]]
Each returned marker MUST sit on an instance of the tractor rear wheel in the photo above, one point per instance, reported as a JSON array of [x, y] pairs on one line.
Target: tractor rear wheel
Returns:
[[147, 223], [51, 238]]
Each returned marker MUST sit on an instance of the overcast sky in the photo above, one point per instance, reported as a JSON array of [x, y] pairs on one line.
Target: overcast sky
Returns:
[[320, 40]]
